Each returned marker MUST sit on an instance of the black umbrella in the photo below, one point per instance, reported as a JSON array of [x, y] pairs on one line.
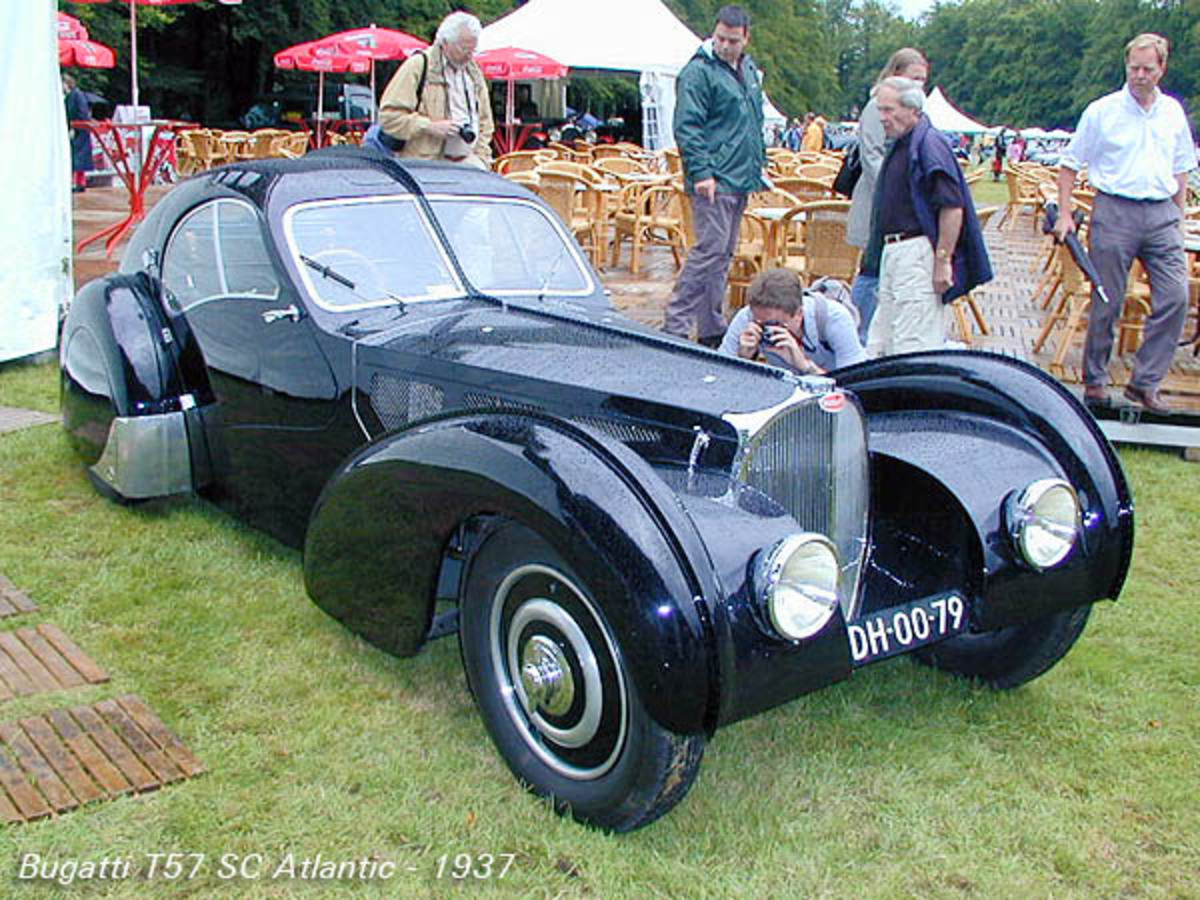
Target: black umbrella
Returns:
[[1077, 252]]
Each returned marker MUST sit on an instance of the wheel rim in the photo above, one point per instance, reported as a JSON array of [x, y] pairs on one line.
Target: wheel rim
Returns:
[[557, 671]]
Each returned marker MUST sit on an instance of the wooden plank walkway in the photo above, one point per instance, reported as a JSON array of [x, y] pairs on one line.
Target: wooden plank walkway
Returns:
[[42, 659], [13, 418], [13, 601], [60, 760]]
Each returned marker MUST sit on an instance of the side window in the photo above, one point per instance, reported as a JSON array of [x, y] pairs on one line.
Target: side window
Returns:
[[218, 251], [190, 262], [243, 254]]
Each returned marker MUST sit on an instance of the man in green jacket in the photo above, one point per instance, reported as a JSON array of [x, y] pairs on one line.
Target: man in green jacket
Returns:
[[719, 130]]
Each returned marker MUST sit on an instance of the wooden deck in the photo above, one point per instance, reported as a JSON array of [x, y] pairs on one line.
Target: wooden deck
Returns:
[[55, 761], [1007, 303], [59, 760]]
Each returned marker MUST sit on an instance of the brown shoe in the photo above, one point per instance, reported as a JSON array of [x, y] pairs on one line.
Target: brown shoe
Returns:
[[1096, 395], [1149, 399]]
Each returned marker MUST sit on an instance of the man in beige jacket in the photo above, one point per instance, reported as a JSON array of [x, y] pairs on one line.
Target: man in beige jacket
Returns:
[[437, 104]]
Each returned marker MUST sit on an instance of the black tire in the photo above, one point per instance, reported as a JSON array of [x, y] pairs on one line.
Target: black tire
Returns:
[[1009, 657], [585, 740]]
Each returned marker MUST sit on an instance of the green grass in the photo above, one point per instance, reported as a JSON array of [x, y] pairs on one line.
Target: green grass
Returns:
[[901, 782]]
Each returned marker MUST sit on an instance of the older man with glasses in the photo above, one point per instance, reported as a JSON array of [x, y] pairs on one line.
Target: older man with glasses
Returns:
[[436, 106], [925, 237]]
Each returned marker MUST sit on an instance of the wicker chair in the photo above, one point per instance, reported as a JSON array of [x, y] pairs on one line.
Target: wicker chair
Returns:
[[650, 215], [562, 192]]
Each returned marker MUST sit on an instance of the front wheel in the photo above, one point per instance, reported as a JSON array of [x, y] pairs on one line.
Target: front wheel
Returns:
[[1009, 657], [552, 687]]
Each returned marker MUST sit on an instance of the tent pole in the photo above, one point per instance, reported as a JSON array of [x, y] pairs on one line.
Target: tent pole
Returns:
[[133, 52], [320, 106], [509, 112]]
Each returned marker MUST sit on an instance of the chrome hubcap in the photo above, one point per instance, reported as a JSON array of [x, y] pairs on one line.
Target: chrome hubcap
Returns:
[[546, 676]]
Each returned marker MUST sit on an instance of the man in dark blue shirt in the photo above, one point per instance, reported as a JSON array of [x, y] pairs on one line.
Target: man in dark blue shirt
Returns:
[[924, 230]]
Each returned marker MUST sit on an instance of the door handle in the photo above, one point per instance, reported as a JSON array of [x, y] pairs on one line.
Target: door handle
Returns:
[[288, 312]]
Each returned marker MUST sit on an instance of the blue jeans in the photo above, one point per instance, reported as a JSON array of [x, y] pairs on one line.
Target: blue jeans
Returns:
[[864, 294]]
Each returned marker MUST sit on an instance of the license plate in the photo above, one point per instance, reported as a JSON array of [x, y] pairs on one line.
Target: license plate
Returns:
[[903, 628]]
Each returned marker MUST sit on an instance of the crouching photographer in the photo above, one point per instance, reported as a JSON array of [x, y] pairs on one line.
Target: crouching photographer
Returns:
[[436, 106], [807, 331]]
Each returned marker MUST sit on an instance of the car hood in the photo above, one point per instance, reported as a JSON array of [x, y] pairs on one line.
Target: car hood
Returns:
[[517, 351]]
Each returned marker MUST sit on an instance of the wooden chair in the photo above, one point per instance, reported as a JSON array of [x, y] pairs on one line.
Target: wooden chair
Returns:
[[804, 189], [292, 145], [826, 252], [1022, 192], [529, 179], [651, 215], [618, 165], [561, 192], [520, 161], [967, 303], [1069, 314], [187, 156], [749, 258]]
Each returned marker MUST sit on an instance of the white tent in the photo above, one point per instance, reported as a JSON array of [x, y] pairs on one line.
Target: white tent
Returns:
[[613, 35], [35, 218], [619, 35], [947, 117]]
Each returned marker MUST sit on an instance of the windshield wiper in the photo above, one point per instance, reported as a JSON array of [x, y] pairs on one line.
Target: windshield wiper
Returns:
[[562, 251], [334, 275]]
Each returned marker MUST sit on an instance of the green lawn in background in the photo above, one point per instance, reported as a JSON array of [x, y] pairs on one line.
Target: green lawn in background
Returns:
[[901, 782]]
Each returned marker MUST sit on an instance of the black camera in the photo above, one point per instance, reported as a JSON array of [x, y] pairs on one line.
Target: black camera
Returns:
[[764, 342], [467, 133]]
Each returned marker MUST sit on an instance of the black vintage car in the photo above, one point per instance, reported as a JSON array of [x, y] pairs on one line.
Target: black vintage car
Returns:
[[413, 373]]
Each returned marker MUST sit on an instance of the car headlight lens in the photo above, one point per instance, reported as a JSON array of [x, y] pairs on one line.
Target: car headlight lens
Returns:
[[797, 584], [1044, 522]]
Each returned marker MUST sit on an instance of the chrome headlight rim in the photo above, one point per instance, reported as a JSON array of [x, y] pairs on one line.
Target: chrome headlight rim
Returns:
[[798, 609], [1031, 520]]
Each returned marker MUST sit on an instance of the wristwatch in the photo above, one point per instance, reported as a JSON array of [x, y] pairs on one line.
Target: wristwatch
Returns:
[[942, 254]]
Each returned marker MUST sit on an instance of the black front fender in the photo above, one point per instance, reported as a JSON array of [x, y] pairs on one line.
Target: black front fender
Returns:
[[378, 534], [965, 429]]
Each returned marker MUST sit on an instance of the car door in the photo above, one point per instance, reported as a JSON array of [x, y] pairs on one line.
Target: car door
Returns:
[[274, 390], [264, 364]]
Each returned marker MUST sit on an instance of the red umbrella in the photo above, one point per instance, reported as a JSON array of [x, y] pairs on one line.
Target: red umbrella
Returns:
[[515, 64], [316, 56], [133, 5], [84, 53], [71, 29], [374, 43]]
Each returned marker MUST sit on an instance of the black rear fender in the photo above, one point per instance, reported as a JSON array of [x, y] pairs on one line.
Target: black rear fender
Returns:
[[126, 408]]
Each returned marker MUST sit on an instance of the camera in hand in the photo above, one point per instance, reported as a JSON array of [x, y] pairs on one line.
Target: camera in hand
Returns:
[[466, 132], [764, 343]]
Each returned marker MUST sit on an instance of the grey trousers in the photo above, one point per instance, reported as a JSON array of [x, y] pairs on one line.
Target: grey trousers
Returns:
[[699, 293], [1122, 230]]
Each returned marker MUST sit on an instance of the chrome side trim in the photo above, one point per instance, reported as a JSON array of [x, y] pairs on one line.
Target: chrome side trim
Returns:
[[146, 456]]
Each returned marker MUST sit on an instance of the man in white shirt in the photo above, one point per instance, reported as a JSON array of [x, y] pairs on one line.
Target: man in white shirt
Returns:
[[1138, 149]]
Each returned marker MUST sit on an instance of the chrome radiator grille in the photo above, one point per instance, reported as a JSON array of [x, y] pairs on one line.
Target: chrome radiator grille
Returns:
[[811, 458]]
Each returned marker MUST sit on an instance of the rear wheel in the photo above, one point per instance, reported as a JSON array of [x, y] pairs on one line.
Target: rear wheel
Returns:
[[552, 687], [1009, 657]]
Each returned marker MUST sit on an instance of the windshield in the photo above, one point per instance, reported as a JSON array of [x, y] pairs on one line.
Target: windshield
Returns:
[[360, 252], [510, 246], [380, 248]]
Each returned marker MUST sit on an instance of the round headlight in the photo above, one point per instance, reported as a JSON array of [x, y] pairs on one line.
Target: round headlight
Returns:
[[1044, 522], [797, 583]]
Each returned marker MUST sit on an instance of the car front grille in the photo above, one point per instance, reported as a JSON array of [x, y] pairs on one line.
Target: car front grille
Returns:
[[811, 458]]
